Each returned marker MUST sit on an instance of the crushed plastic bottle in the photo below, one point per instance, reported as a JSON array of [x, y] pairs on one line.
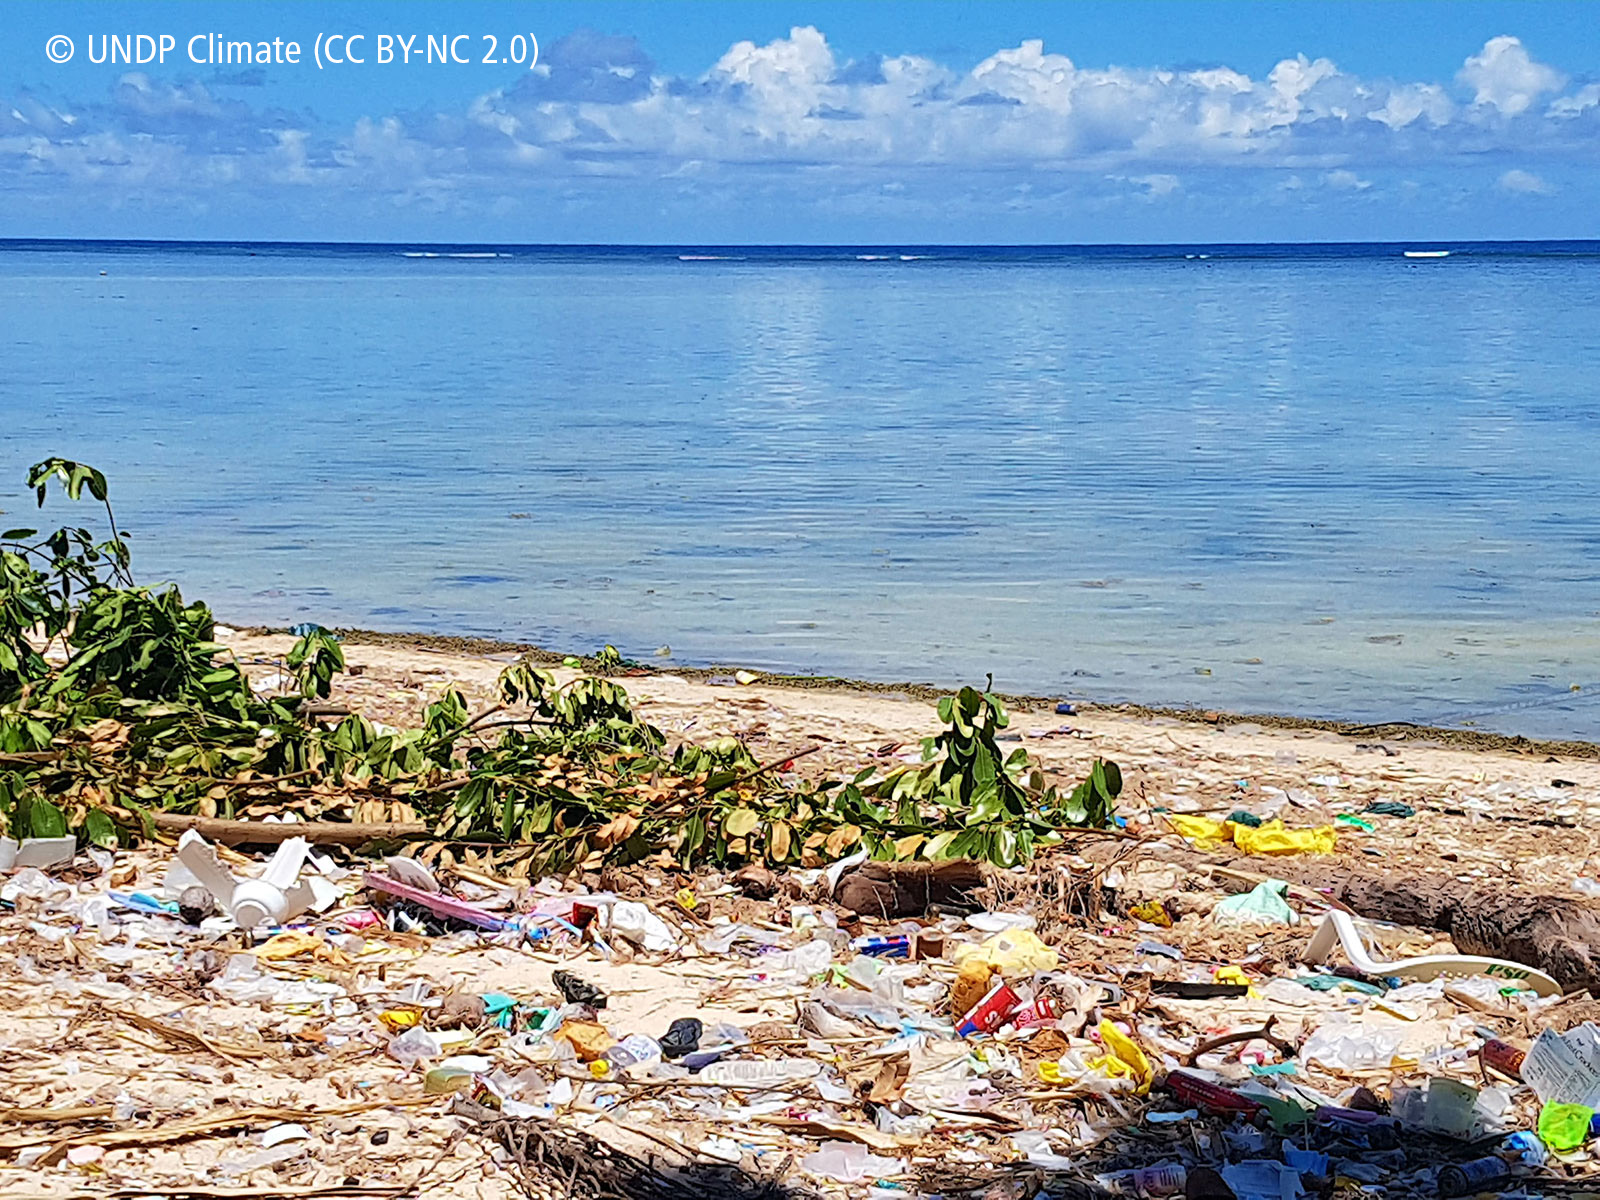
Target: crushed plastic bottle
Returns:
[[757, 1072]]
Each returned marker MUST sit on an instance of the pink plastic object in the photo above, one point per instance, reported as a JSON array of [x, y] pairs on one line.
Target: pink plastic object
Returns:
[[439, 906]]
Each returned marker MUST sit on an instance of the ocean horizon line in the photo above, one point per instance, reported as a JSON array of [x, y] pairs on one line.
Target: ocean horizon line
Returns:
[[1502, 245]]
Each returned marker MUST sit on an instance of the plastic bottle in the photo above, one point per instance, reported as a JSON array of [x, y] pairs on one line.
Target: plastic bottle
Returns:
[[1470, 1178], [646, 1051], [752, 1072]]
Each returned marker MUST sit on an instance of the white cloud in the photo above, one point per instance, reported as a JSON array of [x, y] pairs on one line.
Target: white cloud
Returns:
[[1525, 183], [1575, 104], [1504, 75], [784, 114], [1346, 181]]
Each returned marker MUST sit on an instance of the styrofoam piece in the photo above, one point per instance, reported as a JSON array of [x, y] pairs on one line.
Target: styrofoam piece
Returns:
[[45, 853]]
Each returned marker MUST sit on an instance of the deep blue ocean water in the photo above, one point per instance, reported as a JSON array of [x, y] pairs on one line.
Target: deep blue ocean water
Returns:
[[1326, 480]]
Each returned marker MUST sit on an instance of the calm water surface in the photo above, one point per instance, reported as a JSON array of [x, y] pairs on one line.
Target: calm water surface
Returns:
[[1328, 481]]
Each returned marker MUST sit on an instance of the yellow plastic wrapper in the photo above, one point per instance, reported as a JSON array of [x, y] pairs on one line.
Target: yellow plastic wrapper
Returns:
[[686, 899], [1275, 838], [1205, 833], [292, 943], [1152, 912], [1049, 1072], [1127, 1050], [1014, 952], [399, 1018]]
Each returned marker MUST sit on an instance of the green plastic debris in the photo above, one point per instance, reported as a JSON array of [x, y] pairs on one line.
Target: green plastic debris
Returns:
[[1263, 905], [501, 1008], [1335, 983], [1564, 1126], [1282, 1068], [1285, 1113], [1390, 808], [1357, 822], [1240, 817]]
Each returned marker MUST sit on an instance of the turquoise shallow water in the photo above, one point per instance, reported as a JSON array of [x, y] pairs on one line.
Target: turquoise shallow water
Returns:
[[1328, 481]]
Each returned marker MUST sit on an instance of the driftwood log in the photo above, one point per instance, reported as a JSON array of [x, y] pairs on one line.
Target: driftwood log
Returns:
[[904, 889], [1559, 935], [322, 833]]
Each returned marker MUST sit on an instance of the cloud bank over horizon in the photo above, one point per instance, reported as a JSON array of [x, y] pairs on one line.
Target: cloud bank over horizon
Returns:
[[788, 141]]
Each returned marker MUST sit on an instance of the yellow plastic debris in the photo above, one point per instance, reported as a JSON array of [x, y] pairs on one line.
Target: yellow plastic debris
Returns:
[[1275, 838], [1127, 1051], [292, 943], [399, 1018], [1049, 1072], [1152, 912], [1013, 952], [1271, 838], [1235, 975], [686, 899], [1205, 833]]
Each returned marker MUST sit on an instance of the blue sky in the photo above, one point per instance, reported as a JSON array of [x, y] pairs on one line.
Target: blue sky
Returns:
[[881, 122]]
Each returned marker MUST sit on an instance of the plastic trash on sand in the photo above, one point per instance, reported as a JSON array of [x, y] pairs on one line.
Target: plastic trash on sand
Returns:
[[1262, 1179], [1271, 837], [1564, 1068], [1012, 952], [633, 922], [758, 1072], [413, 1046], [1564, 1126], [40, 853], [270, 900], [1346, 1047], [1275, 837], [1126, 1051], [848, 1162], [1264, 906], [1203, 832], [1338, 928]]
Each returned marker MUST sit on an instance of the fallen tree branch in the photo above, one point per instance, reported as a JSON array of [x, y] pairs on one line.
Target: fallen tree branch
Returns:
[[328, 833], [1265, 1033]]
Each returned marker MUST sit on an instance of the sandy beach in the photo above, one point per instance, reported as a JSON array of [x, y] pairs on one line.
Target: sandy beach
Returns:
[[97, 1022]]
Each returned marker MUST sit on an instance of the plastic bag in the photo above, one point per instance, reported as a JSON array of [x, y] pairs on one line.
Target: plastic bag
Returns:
[[1205, 833], [1127, 1051], [1013, 952], [1276, 838], [1264, 905]]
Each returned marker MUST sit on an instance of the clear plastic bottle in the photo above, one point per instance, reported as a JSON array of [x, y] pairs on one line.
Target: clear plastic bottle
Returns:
[[755, 1072]]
